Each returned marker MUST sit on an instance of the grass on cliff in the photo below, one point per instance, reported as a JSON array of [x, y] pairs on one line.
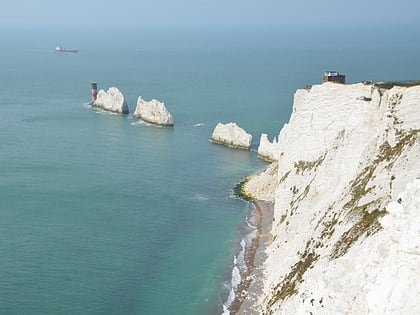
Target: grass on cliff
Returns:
[[390, 84], [240, 191], [289, 285], [367, 215]]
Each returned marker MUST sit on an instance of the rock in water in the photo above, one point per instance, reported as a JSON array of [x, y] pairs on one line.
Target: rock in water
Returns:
[[268, 150], [111, 100], [153, 112], [231, 135]]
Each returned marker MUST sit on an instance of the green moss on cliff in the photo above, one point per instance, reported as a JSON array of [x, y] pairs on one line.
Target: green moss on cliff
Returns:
[[284, 177], [288, 286], [302, 166], [240, 191], [390, 84], [367, 216], [368, 224]]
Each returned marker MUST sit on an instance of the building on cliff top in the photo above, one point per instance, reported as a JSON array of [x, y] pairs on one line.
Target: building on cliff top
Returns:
[[333, 76]]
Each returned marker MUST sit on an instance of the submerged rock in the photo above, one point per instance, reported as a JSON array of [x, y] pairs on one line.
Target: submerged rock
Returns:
[[111, 100], [153, 112], [231, 135]]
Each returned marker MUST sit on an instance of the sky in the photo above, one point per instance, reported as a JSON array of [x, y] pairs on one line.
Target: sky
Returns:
[[271, 13]]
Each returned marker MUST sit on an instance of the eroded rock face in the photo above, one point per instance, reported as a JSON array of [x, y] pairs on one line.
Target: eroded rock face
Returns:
[[263, 186], [153, 112], [268, 150], [231, 135], [346, 153], [111, 100]]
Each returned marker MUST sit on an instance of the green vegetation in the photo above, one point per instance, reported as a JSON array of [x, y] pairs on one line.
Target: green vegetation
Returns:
[[367, 215], [302, 166], [363, 217], [240, 191], [287, 287], [230, 145], [274, 169], [329, 226], [390, 84], [264, 158], [282, 218], [394, 101], [368, 223], [283, 178], [303, 195]]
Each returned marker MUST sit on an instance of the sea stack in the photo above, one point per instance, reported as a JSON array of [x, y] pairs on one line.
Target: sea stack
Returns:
[[268, 150], [231, 135], [153, 112], [111, 100]]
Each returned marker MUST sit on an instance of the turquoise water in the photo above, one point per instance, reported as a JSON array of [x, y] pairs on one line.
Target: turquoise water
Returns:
[[102, 215]]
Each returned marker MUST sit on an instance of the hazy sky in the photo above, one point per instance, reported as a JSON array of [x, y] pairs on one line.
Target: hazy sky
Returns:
[[208, 12]]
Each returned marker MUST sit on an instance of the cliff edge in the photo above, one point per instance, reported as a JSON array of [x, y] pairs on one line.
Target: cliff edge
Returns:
[[346, 153]]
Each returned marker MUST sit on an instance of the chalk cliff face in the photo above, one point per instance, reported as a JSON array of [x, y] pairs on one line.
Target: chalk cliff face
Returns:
[[268, 150], [153, 112], [111, 100], [231, 135], [346, 153]]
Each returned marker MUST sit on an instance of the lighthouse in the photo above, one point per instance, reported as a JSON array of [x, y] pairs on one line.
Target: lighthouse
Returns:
[[94, 86]]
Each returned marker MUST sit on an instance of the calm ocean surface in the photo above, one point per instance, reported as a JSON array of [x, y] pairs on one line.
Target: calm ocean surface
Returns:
[[100, 214]]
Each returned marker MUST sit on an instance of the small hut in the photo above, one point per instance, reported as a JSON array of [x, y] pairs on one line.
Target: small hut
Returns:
[[333, 76]]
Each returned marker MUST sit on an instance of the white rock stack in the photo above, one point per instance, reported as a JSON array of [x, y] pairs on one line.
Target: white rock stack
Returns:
[[153, 112], [111, 100], [268, 150], [231, 135]]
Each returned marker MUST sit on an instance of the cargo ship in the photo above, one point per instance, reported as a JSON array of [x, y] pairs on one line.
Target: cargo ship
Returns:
[[61, 49]]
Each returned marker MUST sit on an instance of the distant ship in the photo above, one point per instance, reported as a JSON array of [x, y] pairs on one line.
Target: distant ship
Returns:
[[61, 49]]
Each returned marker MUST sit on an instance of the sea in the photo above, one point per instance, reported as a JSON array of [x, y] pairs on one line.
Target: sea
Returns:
[[103, 214]]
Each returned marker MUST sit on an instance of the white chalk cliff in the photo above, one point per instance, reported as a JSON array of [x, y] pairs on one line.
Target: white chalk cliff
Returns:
[[346, 216], [112, 100], [153, 112], [231, 135], [268, 150]]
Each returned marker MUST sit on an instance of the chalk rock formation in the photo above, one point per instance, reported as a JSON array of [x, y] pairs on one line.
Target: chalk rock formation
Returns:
[[264, 185], [111, 100], [268, 150], [376, 276], [153, 112], [231, 135], [347, 151]]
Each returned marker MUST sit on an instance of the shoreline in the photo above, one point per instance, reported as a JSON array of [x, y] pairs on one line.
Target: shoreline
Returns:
[[246, 296]]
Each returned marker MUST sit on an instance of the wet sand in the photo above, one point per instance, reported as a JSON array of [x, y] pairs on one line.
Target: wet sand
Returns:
[[252, 280]]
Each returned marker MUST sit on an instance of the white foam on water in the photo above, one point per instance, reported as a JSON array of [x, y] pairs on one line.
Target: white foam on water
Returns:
[[199, 197], [239, 267], [101, 111], [140, 123], [236, 280], [250, 224], [239, 261]]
